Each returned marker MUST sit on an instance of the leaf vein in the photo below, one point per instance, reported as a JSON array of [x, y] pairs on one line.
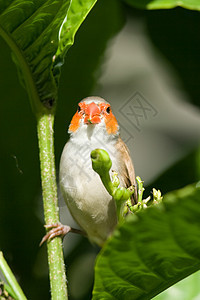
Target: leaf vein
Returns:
[[41, 34], [39, 8]]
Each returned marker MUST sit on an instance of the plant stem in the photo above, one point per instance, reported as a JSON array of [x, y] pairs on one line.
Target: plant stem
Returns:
[[11, 280], [101, 164], [140, 189], [50, 201]]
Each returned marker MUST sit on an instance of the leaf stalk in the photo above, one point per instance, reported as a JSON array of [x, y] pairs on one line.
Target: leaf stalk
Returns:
[[11, 280]]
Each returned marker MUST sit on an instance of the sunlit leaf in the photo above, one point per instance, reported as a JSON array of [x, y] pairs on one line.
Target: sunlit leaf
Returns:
[[77, 13], [164, 4], [187, 289]]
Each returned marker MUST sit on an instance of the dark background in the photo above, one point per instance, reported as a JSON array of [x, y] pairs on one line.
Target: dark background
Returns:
[[174, 36]]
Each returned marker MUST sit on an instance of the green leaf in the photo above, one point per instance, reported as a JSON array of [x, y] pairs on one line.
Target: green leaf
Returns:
[[76, 15], [152, 250], [164, 4], [35, 31]]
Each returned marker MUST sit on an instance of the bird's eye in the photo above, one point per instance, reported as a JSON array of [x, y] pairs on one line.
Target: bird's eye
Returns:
[[78, 109], [108, 109]]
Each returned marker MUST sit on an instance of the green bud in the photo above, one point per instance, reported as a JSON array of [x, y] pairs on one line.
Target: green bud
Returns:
[[157, 195], [122, 194], [101, 161]]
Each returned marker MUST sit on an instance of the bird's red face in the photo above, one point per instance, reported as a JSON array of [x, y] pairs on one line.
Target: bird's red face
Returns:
[[94, 113]]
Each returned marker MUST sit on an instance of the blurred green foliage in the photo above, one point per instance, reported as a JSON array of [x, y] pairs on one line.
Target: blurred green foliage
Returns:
[[164, 4], [175, 33]]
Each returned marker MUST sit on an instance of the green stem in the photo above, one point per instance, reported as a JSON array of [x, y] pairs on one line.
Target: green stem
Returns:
[[11, 280], [101, 163], [50, 201], [140, 189]]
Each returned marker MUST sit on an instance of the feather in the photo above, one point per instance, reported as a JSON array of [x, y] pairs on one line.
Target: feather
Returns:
[[127, 168]]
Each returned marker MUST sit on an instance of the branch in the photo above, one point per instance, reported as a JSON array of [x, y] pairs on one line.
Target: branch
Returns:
[[50, 201]]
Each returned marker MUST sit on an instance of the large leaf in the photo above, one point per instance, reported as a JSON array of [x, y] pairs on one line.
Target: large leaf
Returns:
[[35, 30], [151, 250], [164, 4]]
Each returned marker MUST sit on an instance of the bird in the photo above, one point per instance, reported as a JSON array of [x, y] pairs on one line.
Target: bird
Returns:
[[93, 126]]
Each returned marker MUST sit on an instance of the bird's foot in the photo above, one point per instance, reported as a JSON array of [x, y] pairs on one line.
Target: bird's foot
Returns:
[[60, 230]]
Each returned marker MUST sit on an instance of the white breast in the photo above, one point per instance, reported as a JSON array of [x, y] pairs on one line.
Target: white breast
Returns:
[[86, 197]]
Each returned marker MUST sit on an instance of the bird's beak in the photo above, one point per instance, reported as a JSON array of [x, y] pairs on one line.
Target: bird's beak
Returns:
[[92, 114]]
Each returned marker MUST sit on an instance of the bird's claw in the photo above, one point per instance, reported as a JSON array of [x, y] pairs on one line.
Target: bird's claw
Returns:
[[58, 230], [55, 231]]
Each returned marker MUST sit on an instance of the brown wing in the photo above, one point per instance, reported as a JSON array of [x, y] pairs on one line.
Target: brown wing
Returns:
[[127, 168]]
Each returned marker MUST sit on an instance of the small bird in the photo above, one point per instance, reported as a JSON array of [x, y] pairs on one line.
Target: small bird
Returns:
[[93, 208]]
